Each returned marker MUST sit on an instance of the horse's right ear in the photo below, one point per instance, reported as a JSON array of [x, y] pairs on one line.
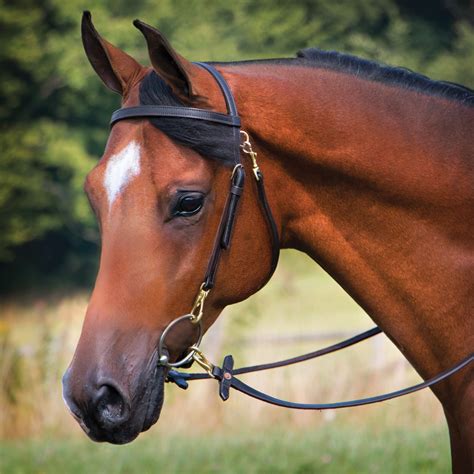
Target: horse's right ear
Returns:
[[116, 68]]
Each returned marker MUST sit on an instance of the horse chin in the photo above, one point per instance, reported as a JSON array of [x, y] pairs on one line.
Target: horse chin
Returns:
[[143, 415], [155, 400]]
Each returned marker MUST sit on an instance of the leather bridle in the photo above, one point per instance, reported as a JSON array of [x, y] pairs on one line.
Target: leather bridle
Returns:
[[240, 141], [226, 375]]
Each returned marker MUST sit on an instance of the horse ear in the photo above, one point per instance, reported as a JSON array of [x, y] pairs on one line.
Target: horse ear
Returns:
[[175, 70], [113, 66]]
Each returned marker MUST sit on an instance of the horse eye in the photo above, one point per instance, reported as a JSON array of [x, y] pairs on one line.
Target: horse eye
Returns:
[[188, 204]]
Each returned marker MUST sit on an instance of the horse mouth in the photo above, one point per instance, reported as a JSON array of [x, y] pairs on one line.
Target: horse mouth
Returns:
[[155, 399]]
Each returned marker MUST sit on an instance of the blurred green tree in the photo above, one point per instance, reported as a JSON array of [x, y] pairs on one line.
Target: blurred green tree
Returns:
[[54, 112]]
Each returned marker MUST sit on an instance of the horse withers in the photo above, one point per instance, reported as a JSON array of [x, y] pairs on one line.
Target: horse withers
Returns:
[[369, 170]]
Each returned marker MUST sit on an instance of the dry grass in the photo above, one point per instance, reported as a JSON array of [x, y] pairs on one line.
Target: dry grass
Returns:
[[37, 339]]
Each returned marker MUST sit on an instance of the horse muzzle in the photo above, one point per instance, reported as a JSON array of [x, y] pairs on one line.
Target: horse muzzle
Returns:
[[109, 411]]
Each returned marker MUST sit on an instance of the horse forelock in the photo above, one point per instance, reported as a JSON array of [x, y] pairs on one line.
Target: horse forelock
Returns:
[[209, 139]]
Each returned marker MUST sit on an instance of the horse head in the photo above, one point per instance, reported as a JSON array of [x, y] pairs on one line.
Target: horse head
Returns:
[[159, 193]]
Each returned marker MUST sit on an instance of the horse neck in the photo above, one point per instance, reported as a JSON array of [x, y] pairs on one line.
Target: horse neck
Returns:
[[373, 183]]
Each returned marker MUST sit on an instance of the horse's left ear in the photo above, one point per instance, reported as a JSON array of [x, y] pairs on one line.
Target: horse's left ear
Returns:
[[179, 73]]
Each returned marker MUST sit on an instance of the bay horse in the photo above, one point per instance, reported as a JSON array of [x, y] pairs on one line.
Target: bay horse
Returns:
[[369, 171]]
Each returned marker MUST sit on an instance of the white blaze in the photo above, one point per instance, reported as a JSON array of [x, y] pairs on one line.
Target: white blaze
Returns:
[[121, 169]]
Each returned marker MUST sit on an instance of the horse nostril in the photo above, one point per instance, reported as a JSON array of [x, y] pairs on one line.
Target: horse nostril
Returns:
[[111, 406]]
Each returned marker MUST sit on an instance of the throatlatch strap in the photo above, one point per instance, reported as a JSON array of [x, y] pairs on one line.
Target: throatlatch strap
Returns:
[[270, 221]]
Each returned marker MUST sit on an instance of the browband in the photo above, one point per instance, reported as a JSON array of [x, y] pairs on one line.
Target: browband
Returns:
[[175, 112]]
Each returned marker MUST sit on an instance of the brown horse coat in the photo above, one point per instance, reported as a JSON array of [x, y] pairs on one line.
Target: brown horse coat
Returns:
[[372, 177]]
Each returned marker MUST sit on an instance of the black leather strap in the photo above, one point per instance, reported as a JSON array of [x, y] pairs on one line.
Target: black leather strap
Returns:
[[226, 376], [141, 111], [311, 355], [230, 105], [174, 375], [231, 118], [222, 240], [236, 190], [227, 93], [252, 392], [262, 195]]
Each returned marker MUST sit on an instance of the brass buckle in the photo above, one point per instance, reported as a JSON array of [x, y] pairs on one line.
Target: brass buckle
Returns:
[[247, 149], [202, 360], [198, 307]]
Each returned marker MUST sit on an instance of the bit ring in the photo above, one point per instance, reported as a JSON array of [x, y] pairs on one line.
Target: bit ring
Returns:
[[163, 358]]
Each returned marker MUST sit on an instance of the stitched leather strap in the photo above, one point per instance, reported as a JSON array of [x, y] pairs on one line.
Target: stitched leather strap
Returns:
[[141, 111], [225, 375], [252, 392], [311, 355], [175, 376], [262, 195], [222, 240], [231, 107], [228, 97]]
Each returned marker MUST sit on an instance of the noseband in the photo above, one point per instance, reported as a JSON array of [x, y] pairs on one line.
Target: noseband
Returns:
[[226, 375]]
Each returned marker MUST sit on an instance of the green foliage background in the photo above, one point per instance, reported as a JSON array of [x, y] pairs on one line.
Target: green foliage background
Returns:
[[54, 112]]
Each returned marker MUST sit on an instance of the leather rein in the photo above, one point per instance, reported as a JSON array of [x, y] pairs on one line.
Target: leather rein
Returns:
[[226, 375]]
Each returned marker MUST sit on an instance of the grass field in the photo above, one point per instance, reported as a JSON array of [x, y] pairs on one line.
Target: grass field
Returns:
[[328, 450], [199, 433]]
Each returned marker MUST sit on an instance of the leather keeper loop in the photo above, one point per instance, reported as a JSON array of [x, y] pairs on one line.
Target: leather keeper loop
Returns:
[[236, 190]]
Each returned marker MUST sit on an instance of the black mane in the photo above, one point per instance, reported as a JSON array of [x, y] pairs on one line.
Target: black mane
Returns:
[[374, 71], [213, 140]]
